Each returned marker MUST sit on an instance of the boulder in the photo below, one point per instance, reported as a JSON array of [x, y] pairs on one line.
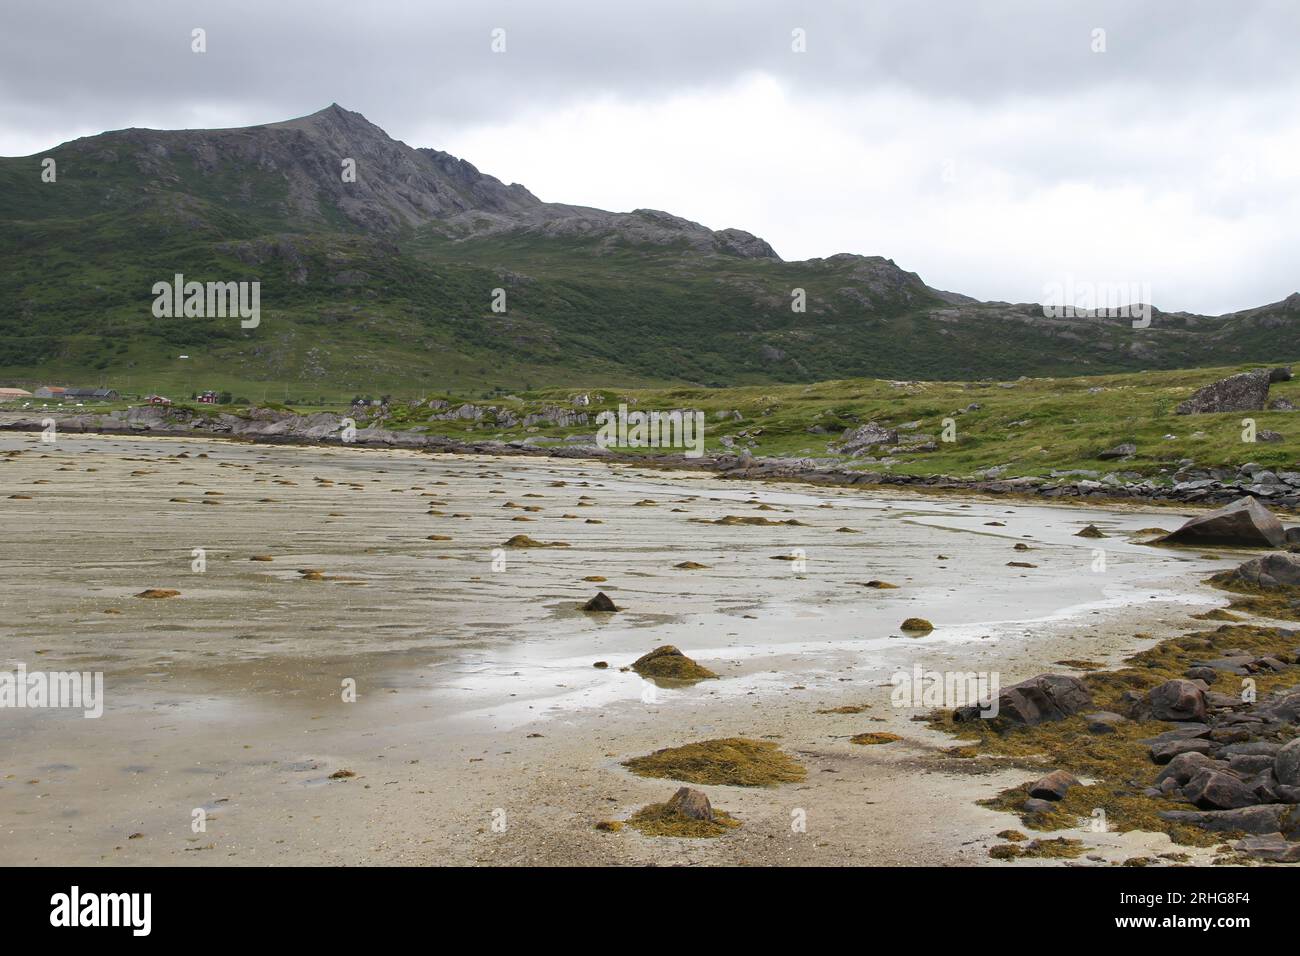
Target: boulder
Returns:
[[1244, 523], [1279, 570], [1053, 786], [1123, 450], [856, 440], [1214, 790], [1261, 819], [691, 803], [1043, 698], [1104, 722], [1175, 700], [1286, 764], [1247, 391], [1185, 766], [1271, 846], [600, 602]]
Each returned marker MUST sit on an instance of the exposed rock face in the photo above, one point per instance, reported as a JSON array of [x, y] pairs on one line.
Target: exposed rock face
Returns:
[[1244, 523], [1247, 391], [1279, 570], [854, 441], [1286, 765], [1034, 701]]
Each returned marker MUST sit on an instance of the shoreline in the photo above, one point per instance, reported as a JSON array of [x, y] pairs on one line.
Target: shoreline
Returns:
[[277, 428]]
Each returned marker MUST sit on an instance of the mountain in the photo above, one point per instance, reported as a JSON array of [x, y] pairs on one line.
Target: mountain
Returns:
[[386, 283]]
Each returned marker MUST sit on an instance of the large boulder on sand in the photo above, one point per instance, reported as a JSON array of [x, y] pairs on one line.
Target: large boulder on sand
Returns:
[[1236, 393], [1034, 701], [1280, 570], [1244, 523]]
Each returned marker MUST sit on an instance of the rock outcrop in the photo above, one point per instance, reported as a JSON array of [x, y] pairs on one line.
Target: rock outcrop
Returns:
[[1245, 523]]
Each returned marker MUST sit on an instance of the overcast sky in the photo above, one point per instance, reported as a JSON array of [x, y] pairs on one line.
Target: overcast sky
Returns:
[[984, 144]]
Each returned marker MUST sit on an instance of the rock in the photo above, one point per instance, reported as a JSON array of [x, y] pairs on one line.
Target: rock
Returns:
[[1244, 523], [1124, 450], [1104, 722], [1271, 437], [1262, 819], [1214, 790], [692, 803], [1175, 700], [1053, 786], [916, 624], [1247, 391], [1272, 571], [1206, 674], [1286, 765], [1046, 697], [1092, 531], [856, 440], [668, 662], [1165, 752], [1281, 405], [601, 602], [1271, 846], [1280, 374], [157, 593], [1037, 805], [1185, 766]]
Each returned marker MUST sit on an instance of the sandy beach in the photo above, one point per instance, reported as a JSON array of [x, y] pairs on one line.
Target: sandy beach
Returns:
[[480, 731]]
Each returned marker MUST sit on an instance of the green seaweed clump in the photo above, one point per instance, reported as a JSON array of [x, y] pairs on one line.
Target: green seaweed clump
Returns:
[[668, 663], [666, 819]]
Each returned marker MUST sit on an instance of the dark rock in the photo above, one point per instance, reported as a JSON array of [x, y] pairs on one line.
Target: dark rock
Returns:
[[600, 602], [1163, 753], [1278, 570], [1212, 790], [1185, 766], [690, 802], [1244, 523], [856, 440], [1252, 748], [1248, 765], [1104, 722], [1043, 698], [1264, 818], [1175, 700], [1053, 786], [1207, 674], [1272, 846], [1036, 805], [1286, 764], [1188, 731], [1246, 391], [1280, 374]]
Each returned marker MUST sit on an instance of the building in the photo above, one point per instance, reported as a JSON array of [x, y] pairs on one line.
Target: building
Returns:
[[90, 394], [50, 391], [13, 394], [158, 400], [208, 398]]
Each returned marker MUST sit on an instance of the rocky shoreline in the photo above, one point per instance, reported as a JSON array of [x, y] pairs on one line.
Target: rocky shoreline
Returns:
[[1189, 484]]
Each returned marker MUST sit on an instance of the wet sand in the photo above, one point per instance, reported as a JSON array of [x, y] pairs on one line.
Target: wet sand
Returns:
[[481, 732]]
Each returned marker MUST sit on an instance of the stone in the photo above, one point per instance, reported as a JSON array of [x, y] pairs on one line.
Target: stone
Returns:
[[1185, 766], [1046, 697], [1271, 846], [1244, 523], [1175, 700], [854, 441], [1123, 450], [1213, 790], [1272, 571], [691, 803], [1165, 752], [1286, 764], [1247, 391], [1053, 786], [601, 602], [1037, 805], [1207, 674], [1261, 819], [1104, 722]]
